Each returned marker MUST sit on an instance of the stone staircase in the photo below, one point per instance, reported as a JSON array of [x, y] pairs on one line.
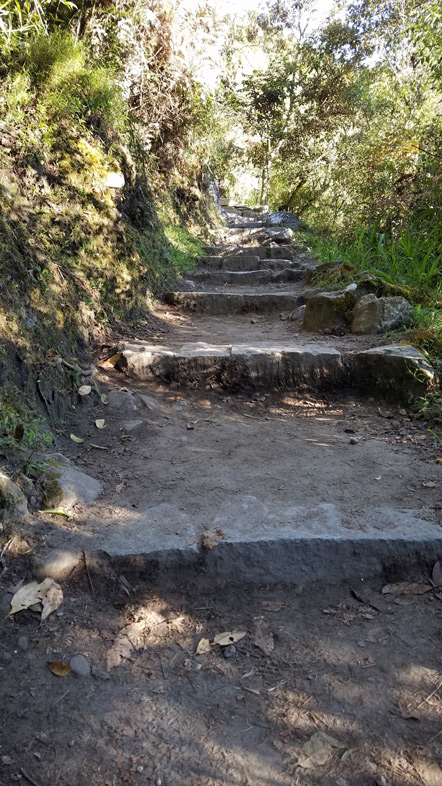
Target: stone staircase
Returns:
[[253, 273]]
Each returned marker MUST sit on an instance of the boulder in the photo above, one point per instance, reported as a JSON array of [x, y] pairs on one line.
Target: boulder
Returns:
[[13, 503], [282, 218], [65, 485], [122, 400], [330, 311], [373, 314], [395, 370], [278, 235]]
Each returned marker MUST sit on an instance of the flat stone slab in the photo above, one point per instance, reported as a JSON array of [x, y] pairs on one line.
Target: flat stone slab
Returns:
[[267, 543], [247, 263], [248, 277], [233, 302], [395, 371]]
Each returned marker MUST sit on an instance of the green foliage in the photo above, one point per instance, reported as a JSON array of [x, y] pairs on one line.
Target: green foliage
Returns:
[[22, 428]]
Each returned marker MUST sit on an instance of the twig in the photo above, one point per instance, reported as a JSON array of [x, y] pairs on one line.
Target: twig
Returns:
[[98, 447], [433, 738], [429, 697], [62, 697], [88, 574], [28, 778]]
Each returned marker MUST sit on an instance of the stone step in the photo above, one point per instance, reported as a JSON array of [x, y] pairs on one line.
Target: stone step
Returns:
[[247, 263], [248, 277], [263, 252], [397, 371], [232, 302]]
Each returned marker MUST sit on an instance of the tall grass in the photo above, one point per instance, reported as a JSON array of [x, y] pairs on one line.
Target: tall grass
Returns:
[[412, 258]]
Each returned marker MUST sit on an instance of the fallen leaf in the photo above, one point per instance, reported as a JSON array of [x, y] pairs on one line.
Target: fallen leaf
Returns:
[[104, 399], [271, 605], [370, 599], [437, 574], [58, 512], [438, 460], [100, 423], [317, 750], [229, 637], [19, 432], [263, 637], [30, 594], [6, 760], [429, 484], [406, 588], [52, 600], [84, 390], [59, 668], [204, 647], [110, 362], [408, 710], [78, 440], [211, 538]]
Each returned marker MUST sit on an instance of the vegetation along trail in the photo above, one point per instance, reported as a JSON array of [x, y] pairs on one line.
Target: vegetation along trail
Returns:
[[220, 512]]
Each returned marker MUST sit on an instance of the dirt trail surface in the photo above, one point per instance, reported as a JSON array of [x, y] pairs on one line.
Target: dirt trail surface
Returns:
[[310, 504], [322, 689]]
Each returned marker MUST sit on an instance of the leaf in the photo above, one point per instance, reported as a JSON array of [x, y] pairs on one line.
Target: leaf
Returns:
[[52, 600], [34, 594], [104, 399], [110, 362], [19, 432], [78, 440], [438, 460], [429, 484], [100, 423], [84, 390], [58, 668], [263, 637], [204, 647], [406, 588], [317, 750], [370, 599], [271, 605], [6, 760], [437, 574], [58, 512], [229, 637], [211, 538]]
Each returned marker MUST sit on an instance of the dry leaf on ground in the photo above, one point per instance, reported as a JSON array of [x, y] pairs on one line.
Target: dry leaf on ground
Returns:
[[104, 399], [84, 390], [370, 599], [317, 750], [429, 484], [52, 600], [59, 668], [46, 595], [271, 605], [78, 440], [406, 588], [229, 637], [437, 574], [100, 423], [211, 538], [129, 640], [110, 362], [263, 637], [204, 647]]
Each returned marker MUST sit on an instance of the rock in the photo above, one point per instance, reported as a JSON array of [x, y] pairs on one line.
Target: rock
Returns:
[[380, 781], [373, 314], [122, 400], [66, 486], [80, 666], [396, 369], [283, 219], [100, 674], [150, 402], [329, 310], [131, 425], [23, 643], [308, 293], [57, 564], [279, 235], [353, 441], [13, 503]]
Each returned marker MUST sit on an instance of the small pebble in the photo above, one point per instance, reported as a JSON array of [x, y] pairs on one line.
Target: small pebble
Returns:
[[353, 441], [80, 666], [381, 781], [229, 652], [23, 643], [403, 412], [140, 769]]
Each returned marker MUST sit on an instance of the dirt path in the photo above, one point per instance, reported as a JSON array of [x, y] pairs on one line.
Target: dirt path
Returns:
[[331, 683]]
